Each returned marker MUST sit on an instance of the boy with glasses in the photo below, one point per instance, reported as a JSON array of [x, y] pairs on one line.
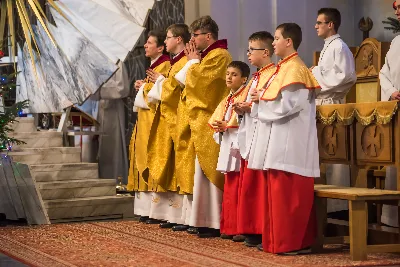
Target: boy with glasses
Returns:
[[204, 78], [336, 75], [251, 199]]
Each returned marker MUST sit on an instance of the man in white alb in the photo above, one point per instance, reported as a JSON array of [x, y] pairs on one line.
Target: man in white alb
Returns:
[[389, 77], [336, 75]]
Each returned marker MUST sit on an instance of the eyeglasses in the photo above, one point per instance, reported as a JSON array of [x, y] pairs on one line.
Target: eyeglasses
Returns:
[[197, 34], [251, 50], [322, 22], [169, 37]]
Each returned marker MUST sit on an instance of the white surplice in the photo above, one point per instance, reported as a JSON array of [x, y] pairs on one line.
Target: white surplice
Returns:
[[142, 203], [336, 72], [389, 77], [203, 208], [247, 128], [229, 155], [336, 75], [287, 133], [140, 102]]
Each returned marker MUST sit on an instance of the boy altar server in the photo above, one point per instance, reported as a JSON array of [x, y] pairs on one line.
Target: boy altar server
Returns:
[[336, 74], [251, 199], [287, 146], [225, 122]]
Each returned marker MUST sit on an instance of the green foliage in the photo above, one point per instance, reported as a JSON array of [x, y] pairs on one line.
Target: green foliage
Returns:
[[9, 115], [394, 24]]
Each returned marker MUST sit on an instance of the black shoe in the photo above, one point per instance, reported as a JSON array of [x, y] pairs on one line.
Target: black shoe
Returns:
[[180, 227], [166, 225], [260, 247], [3, 220], [224, 236], [153, 221], [238, 238], [143, 219], [208, 233], [193, 230], [253, 240], [303, 251]]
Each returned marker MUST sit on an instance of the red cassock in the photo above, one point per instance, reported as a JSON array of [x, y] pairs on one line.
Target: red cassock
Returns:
[[289, 216], [229, 204], [251, 200]]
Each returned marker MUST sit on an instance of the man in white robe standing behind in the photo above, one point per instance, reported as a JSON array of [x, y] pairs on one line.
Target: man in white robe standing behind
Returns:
[[336, 75], [389, 77]]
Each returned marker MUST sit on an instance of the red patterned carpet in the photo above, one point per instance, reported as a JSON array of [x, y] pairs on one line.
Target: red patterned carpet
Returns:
[[130, 243]]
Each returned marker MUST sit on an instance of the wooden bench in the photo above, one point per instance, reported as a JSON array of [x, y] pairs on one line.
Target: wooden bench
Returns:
[[358, 221]]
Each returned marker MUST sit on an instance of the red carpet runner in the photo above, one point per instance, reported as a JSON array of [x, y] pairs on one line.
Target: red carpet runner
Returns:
[[130, 243]]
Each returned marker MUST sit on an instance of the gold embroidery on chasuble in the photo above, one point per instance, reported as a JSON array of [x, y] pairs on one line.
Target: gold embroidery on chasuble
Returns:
[[184, 148], [290, 71], [161, 155], [205, 89], [138, 174]]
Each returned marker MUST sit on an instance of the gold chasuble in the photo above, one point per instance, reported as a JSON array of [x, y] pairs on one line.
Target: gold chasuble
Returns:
[[161, 155], [223, 107], [138, 176], [287, 75], [204, 89]]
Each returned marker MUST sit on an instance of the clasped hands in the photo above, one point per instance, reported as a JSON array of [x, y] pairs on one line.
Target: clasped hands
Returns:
[[395, 96], [241, 107], [191, 51], [219, 126], [152, 76]]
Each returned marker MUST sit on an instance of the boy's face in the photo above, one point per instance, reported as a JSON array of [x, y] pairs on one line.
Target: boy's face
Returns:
[[234, 79], [200, 39], [171, 42], [151, 49], [280, 44], [257, 52], [397, 9], [323, 26]]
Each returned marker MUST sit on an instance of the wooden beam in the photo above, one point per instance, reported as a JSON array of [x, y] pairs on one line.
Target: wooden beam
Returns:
[[358, 230], [337, 240], [383, 248]]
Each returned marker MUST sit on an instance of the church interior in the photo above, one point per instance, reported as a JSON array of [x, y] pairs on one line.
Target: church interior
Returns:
[[68, 125]]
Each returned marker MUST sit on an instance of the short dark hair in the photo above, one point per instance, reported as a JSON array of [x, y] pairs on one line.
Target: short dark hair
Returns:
[[332, 14], [293, 31], [266, 38], [159, 35], [205, 23], [180, 30], [240, 65]]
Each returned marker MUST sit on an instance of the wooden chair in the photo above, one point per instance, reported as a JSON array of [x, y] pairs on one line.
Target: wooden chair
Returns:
[[358, 224]]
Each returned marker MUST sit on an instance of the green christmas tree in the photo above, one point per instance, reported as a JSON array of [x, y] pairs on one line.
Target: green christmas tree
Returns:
[[8, 115]]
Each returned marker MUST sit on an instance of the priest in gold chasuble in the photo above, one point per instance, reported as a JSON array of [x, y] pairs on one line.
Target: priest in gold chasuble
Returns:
[[138, 169], [196, 151]]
